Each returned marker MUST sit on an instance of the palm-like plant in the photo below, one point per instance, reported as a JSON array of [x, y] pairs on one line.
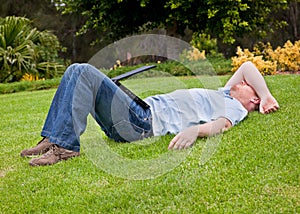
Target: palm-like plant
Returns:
[[25, 50]]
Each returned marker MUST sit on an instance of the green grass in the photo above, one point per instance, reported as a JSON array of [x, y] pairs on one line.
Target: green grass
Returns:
[[254, 168]]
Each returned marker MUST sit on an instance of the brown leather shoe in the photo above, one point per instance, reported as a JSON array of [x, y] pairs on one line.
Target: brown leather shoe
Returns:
[[54, 155], [42, 147]]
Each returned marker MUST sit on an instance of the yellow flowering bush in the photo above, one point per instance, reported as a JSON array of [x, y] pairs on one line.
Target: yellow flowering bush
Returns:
[[194, 54], [30, 77], [117, 65], [267, 60], [288, 57], [266, 67]]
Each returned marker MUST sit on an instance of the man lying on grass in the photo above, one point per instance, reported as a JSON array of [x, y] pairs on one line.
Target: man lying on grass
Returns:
[[188, 113]]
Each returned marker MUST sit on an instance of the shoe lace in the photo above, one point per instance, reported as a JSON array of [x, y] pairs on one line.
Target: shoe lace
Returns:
[[52, 150]]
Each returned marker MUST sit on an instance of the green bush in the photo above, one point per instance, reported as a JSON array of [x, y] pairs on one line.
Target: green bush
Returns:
[[212, 65], [203, 41], [28, 85], [25, 50]]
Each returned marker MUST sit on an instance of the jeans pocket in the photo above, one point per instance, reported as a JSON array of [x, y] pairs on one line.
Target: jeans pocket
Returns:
[[127, 131]]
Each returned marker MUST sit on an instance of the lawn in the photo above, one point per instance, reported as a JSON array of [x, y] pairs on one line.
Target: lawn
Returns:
[[252, 168]]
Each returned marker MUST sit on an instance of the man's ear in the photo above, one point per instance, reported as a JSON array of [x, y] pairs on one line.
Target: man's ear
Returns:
[[255, 100]]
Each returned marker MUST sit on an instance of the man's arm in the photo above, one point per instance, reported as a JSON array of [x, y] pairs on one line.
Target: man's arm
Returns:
[[249, 73], [187, 137]]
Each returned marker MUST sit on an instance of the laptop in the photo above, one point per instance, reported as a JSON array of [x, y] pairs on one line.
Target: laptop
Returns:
[[118, 78]]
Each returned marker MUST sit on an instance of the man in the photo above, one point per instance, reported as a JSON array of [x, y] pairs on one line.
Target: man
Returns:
[[188, 113]]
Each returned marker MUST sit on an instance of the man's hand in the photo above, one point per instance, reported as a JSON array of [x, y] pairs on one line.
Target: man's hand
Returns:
[[249, 73], [188, 136], [268, 105], [185, 138]]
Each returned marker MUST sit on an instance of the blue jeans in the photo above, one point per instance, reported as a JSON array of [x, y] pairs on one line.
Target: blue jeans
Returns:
[[85, 90]]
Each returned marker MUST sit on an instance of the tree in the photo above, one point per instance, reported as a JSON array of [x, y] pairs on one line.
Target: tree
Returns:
[[233, 19], [25, 50], [225, 19], [65, 27], [116, 18], [293, 17]]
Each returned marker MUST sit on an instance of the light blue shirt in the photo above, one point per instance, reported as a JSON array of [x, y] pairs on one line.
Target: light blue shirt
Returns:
[[175, 111]]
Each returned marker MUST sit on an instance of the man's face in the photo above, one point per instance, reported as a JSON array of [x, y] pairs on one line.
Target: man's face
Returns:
[[246, 95]]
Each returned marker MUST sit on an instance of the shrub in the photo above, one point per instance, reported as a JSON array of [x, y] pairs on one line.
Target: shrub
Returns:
[[266, 67], [25, 50], [6, 88], [267, 60], [192, 55], [204, 42], [288, 57]]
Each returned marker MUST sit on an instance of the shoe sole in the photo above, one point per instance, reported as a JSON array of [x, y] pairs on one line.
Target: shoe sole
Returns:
[[31, 163]]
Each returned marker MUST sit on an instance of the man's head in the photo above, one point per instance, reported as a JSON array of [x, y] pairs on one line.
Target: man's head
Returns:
[[246, 95]]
